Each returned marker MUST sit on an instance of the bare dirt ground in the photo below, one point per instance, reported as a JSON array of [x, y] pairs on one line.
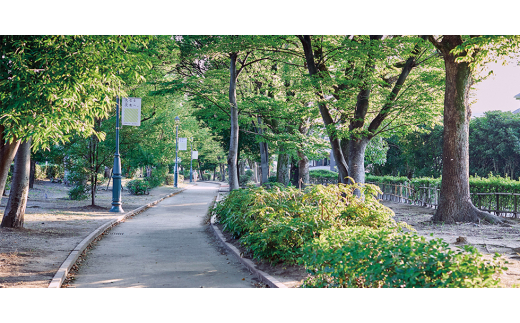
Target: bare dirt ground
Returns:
[[54, 225]]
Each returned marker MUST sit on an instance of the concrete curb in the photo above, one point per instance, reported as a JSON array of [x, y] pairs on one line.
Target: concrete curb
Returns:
[[261, 275], [64, 269]]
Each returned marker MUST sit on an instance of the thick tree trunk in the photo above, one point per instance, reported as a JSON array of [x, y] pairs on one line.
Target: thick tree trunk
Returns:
[[233, 141], [455, 203], [303, 170], [356, 159], [7, 153], [283, 173], [15, 209]]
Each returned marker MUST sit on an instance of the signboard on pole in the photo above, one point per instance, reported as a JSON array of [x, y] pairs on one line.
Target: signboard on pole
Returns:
[[131, 111], [194, 154], [183, 143]]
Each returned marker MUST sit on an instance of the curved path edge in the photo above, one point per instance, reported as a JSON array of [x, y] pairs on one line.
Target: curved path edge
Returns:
[[65, 267], [261, 275]]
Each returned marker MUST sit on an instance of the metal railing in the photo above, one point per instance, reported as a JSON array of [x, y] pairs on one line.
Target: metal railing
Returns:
[[501, 204]]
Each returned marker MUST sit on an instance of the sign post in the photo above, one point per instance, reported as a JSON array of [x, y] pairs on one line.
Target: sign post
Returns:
[[175, 177], [131, 116]]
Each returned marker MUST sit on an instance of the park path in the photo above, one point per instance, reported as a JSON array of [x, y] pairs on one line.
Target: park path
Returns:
[[168, 245]]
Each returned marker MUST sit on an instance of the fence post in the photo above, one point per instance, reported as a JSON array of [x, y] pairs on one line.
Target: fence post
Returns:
[[515, 196], [497, 211]]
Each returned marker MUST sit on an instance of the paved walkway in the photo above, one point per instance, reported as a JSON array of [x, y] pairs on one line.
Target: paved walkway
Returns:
[[166, 246]]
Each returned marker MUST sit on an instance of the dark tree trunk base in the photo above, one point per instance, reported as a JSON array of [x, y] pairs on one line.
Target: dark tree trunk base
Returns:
[[465, 213]]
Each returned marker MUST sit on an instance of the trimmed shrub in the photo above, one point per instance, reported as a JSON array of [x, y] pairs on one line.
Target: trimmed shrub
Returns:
[[138, 187]]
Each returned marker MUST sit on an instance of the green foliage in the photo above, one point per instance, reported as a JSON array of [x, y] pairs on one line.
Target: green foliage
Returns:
[[275, 223], [78, 192], [158, 176], [170, 179], [53, 86], [272, 179], [55, 171], [77, 177], [361, 257], [138, 186], [494, 142], [322, 174], [246, 178], [39, 172]]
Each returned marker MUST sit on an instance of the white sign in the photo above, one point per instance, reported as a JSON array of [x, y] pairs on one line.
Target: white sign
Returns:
[[194, 154], [131, 115], [183, 143]]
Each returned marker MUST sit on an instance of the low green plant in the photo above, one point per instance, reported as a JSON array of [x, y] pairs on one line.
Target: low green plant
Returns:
[[137, 186], [78, 192], [275, 223], [364, 257]]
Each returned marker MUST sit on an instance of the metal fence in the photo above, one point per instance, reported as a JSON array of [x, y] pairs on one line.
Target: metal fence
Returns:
[[501, 204]]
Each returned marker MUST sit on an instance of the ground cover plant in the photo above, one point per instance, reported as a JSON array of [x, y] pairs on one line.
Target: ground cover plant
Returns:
[[275, 223], [345, 240], [361, 257]]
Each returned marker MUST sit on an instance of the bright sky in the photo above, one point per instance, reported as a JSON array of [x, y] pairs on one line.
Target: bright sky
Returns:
[[497, 91]]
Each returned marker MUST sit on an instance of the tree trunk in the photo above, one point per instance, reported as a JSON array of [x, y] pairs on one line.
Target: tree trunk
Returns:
[[303, 170], [356, 159], [264, 156], [233, 141], [15, 209], [327, 118], [241, 168], [455, 203], [295, 174], [32, 173], [7, 153], [222, 173], [283, 169]]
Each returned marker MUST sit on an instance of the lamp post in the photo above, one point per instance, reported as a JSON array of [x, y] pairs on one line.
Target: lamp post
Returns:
[[116, 177], [177, 120], [191, 160]]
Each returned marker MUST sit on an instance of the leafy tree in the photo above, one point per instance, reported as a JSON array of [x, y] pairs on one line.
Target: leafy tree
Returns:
[[494, 144], [368, 85], [462, 55], [54, 86]]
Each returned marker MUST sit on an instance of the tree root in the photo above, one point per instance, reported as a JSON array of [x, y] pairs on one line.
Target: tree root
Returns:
[[488, 217]]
